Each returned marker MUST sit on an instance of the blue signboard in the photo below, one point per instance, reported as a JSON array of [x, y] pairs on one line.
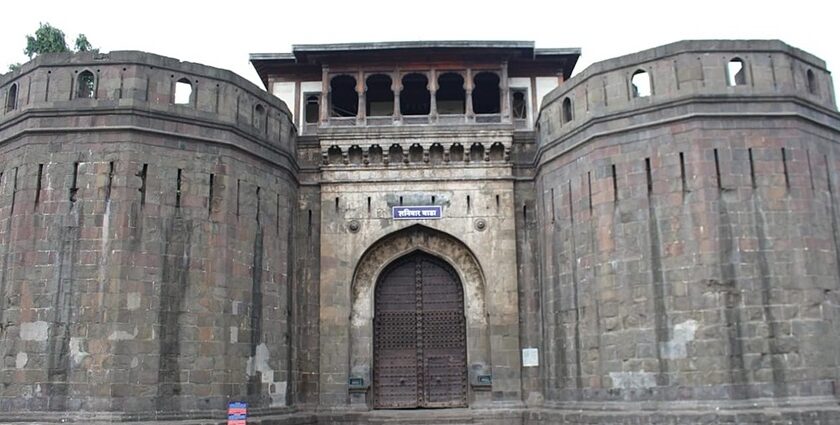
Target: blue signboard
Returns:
[[428, 212]]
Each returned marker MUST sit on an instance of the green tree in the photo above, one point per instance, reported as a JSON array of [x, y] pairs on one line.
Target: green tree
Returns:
[[49, 39]]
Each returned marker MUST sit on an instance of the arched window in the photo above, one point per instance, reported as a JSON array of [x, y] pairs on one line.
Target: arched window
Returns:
[[355, 154], [259, 117], [477, 152], [395, 154], [415, 153], [344, 100], [379, 97], [497, 152], [640, 83], [520, 106], [415, 98], [567, 110], [436, 153], [183, 92], [312, 109], [11, 98], [456, 152], [450, 96], [375, 154], [334, 155], [812, 82], [85, 85], [736, 74], [486, 94]]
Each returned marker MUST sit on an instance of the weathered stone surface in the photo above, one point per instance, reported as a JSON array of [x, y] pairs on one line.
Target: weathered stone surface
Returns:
[[675, 258]]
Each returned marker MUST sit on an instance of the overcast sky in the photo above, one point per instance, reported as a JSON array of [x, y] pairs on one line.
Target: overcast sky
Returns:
[[221, 34]]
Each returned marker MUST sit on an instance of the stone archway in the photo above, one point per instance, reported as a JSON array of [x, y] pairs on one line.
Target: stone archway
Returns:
[[394, 246]]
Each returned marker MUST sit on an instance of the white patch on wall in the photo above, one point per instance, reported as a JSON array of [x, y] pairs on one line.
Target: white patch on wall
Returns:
[[676, 347], [20, 360], [133, 300], [76, 353], [34, 331], [123, 335], [633, 379], [234, 334], [259, 363]]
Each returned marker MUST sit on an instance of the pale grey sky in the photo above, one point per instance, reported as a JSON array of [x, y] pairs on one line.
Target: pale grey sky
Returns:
[[221, 34]]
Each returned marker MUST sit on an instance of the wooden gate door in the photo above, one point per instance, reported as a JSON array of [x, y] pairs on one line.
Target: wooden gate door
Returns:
[[420, 355]]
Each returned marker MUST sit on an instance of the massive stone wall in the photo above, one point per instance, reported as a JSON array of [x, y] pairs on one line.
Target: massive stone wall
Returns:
[[146, 247], [689, 238]]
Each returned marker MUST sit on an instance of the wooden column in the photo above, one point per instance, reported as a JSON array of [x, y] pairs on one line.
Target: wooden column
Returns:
[[361, 113], [396, 86], [324, 110], [505, 100], [433, 113], [468, 88]]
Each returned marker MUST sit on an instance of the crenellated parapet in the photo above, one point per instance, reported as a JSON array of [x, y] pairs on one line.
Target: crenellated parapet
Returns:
[[137, 90], [687, 77]]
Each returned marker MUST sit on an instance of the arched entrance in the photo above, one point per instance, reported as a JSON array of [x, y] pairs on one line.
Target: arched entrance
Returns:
[[420, 353]]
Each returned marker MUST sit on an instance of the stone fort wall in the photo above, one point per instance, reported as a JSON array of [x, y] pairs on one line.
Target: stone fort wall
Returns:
[[689, 237], [146, 247]]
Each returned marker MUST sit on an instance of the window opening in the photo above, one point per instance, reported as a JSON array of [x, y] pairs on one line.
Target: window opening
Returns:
[[520, 106], [736, 73], [379, 97], [11, 98], [312, 109], [451, 97], [343, 97], [414, 97], [641, 83], [183, 92], [567, 110], [85, 85], [812, 82], [486, 96]]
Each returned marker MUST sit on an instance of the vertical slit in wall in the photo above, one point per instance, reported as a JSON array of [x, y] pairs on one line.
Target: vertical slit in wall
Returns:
[[772, 71], [216, 107], [309, 224], [210, 195], [586, 96], [142, 174], [74, 188], [648, 176], [148, 87], [336, 204], [717, 171], [110, 181], [702, 74], [785, 169], [676, 75], [238, 186], [178, 191], [552, 205], [810, 169], [433, 199], [14, 194], [752, 168], [575, 296], [525, 214], [28, 89], [237, 109], [615, 184], [368, 203], [401, 200], [468, 204], [277, 216], [682, 171], [604, 89], [38, 185], [47, 88], [498, 203], [121, 83], [589, 190], [258, 206]]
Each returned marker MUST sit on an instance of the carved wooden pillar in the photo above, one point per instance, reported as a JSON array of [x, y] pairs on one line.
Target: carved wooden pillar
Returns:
[[324, 110], [505, 109], [361, 89], [433, 113], [396, 86], [468, 88]]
